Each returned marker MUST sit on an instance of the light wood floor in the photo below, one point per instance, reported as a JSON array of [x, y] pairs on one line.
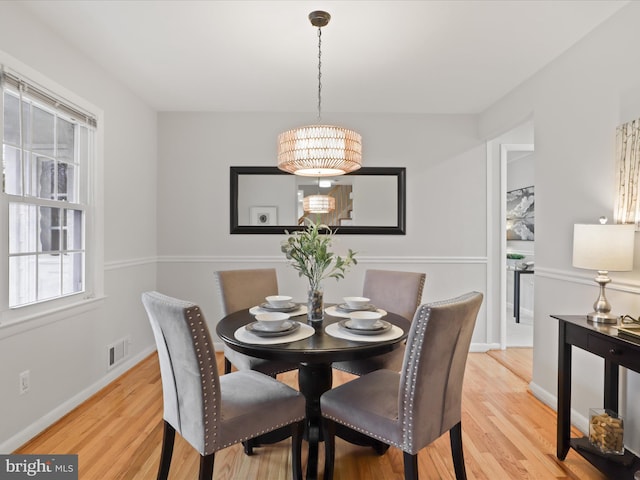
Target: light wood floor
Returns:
[[507, 434], [518, 360]]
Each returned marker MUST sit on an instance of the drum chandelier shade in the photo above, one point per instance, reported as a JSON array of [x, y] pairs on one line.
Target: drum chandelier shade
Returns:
[[319, 150], [319, 204]]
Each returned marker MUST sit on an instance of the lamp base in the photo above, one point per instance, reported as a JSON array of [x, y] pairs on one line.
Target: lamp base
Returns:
[[602, 317], [602, 308]]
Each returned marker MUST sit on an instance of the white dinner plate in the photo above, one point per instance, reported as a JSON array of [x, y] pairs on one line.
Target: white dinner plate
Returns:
[[369, 307], [293, 326], [301, 310], [380, 326], [286, 309], [334, 311]]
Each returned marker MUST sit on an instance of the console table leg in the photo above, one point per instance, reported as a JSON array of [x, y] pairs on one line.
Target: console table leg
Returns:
[[516, 295], [564, 394], [611, 385]]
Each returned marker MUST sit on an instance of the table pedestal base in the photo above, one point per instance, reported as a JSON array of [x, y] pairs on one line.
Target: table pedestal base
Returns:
[[313, 381]]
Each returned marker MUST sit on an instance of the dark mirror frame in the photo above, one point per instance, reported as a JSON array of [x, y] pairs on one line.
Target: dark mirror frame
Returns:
[[399, 229]]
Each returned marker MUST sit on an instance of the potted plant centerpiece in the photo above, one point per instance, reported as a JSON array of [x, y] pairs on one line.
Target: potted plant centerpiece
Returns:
[[308, 252]]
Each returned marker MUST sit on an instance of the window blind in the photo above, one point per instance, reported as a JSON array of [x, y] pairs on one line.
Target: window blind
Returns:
[[40, 94]]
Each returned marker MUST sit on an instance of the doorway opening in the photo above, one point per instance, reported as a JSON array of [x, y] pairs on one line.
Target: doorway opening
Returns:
[[518, 204], [511, 174]]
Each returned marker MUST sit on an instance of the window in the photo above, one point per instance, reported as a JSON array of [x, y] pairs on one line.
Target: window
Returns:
[[47, 151]]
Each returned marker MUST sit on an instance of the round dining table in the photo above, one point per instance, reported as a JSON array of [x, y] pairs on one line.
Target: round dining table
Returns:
[[314, 355]]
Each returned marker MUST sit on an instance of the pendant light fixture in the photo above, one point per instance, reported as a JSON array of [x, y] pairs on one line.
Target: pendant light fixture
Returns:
[[319, 204], [319, 150]]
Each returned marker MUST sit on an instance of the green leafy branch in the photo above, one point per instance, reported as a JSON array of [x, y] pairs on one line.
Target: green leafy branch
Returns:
[[308, 252]]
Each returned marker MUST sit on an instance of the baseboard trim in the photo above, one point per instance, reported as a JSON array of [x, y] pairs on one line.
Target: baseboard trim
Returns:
[[543, 395], [483, 347], [578, 420], [61, 410]]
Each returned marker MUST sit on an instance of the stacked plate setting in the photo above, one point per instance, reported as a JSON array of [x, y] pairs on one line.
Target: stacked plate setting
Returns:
[[279, 303], [364, 318], [356, 304], [274, 321]]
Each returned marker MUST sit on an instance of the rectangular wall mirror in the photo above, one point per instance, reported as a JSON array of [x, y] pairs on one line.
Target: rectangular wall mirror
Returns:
[[371, 200]]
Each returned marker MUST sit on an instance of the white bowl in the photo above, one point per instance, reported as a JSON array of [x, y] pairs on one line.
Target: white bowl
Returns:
[[272, 320], [357, 302], [364, 320], [278, 301]]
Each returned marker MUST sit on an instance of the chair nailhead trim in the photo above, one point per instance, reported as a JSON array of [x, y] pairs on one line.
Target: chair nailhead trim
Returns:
[[259, 432], [409, 374], [208, 379], [207, 368], [365, 431]]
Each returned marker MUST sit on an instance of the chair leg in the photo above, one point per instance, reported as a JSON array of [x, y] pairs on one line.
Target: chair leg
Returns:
[[410, 466], [206, 466], [380, 447], [329, 433], [297, 432], [227, 365], [168, 437], [455, 436], [248, 446]]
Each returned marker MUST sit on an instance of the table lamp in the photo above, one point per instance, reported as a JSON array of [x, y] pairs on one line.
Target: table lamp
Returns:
[[603, 248]]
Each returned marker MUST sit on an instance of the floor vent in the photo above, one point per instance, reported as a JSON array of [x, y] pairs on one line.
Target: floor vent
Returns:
[[117, 352]]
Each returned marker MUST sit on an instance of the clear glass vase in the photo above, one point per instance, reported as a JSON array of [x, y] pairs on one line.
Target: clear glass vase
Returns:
[[315, 306]]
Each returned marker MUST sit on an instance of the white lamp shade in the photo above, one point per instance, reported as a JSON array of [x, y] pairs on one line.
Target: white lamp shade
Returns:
[[603, 247]]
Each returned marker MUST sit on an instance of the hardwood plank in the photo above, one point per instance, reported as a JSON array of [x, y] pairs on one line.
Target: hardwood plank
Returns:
[[507, 434], [518, 359]]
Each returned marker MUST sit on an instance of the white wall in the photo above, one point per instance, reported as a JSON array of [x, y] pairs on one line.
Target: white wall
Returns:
[[577, 102], [66, 352], [370, 205], [281, 193], [446, 198]]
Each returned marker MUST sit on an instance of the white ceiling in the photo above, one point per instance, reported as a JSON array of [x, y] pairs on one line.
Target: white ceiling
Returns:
[[377, 56]]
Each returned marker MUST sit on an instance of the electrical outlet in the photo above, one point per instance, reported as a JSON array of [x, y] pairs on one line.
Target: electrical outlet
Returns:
[[25, 382]]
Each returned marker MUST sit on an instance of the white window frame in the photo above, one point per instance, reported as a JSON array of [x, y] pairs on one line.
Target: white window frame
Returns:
[[55, 308]]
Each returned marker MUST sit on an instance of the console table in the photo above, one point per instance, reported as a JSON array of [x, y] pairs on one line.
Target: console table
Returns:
[[516, 291], [617, 351]]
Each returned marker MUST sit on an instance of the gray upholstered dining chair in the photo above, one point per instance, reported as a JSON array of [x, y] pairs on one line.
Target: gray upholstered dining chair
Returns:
[[411, 409], [397, 292], [212, 412], [240, 289]]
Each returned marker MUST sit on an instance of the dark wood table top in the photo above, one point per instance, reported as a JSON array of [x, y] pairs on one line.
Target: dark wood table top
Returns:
[[318, 348]]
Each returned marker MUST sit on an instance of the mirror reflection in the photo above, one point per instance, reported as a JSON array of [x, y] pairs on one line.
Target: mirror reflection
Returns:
[[266, 200]]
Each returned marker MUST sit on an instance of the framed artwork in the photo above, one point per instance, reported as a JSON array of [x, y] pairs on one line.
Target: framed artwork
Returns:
[[627, 176], [263, 215], [521, 214]]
